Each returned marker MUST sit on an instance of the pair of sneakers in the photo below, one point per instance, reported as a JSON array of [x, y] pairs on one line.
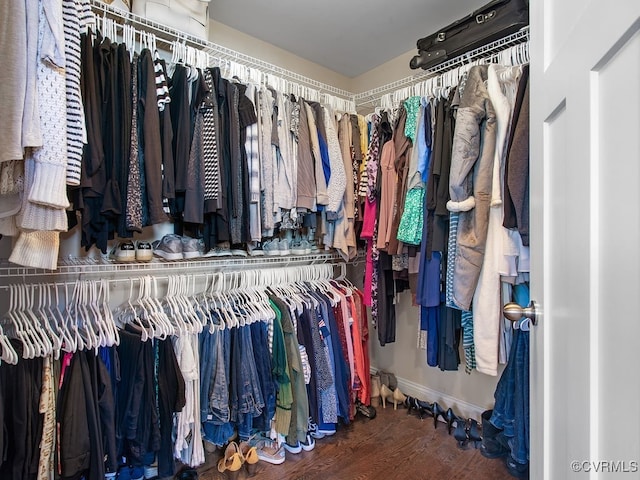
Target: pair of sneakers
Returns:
[[175, 247], [127, 251], [276, 247], [308, 445]]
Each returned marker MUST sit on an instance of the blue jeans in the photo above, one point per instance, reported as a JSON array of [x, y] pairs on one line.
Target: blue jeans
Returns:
[[259, 339], [511, 410], [246, 397], [215, 422]]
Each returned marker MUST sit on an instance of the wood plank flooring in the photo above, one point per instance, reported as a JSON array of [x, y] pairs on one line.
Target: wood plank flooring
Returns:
[[394, 445]]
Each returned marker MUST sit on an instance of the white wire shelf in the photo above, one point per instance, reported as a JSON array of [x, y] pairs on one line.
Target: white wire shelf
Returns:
[[371, 96], [73, 268], [168, 34]]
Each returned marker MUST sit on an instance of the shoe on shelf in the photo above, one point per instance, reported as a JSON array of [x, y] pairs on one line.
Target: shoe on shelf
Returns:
[[220, 250], [238, 251], [255, 249], [272, 247], [309, 444], [144, 251], [192, 247], [295, 449], [297, 248], [231, 461], [306, 246], [169, 247], [283, 247], [124, 251]]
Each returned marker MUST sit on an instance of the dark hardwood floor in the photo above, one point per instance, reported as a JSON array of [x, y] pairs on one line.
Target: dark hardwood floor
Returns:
[[394, 445]]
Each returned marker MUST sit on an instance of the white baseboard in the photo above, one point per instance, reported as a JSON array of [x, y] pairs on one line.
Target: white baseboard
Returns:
[[460, 407]]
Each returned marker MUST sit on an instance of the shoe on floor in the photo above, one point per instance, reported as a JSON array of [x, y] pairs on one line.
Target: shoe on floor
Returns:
[[518, 470], [365, 410], [169, 247], [312, 428], [295, 449], [268, 451], [309, 444]]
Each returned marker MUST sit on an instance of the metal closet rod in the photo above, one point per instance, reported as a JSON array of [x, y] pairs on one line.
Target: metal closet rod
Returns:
[[374, 95], [168, 34], [233, 276]]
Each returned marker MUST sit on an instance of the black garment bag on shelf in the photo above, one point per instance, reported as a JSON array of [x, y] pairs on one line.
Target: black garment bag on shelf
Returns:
[[493, 21]]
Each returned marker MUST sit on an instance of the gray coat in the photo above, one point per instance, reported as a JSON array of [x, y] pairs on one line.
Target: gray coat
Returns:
[[470, 182]]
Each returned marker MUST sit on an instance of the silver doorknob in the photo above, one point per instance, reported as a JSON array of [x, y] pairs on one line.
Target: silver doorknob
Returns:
[[514, 312]]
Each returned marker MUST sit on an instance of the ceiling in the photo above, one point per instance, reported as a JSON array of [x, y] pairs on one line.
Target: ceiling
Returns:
[[347, 36]]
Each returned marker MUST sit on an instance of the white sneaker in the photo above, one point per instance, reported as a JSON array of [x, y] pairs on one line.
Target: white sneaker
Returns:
[[124, 252], [144, 251]]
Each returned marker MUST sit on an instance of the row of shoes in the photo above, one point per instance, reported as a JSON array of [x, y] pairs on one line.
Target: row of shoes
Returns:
[[486, 437], [175, 247]]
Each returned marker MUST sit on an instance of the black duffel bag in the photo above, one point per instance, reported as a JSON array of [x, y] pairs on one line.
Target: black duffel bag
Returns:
[[495, 20]]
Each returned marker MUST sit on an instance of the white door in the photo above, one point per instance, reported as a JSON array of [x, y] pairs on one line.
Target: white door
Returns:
[[585, 224]]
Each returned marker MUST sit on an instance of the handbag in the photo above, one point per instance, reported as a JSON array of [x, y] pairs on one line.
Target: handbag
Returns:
[[491, 22], [188, 16]]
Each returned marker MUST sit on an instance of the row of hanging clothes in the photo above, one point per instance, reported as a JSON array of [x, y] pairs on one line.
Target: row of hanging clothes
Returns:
[[228, 154], [185, 360], [446, 212]]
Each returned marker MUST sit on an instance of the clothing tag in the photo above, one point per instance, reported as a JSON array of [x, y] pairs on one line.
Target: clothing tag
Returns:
[[209, 417]]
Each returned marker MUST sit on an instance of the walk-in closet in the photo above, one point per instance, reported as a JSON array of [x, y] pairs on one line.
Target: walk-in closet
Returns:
[[280, 242]]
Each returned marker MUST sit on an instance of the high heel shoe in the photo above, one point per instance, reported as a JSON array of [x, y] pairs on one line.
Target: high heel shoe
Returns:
[[231, 461], [450, 417], [385, 394], [398, 398], [249, 457], [460, 433], [474, 433], [375, 390], [437, 411]]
